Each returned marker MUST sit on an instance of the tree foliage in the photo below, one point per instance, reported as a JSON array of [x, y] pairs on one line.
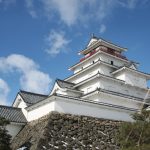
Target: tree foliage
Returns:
[[135, 135], [4, 136]]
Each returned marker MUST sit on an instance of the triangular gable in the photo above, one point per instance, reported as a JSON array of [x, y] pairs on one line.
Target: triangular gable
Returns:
[[133, 67], [31, 98], [28, 98], [92, 41], [18, 100], [55, 88], [62, 87]]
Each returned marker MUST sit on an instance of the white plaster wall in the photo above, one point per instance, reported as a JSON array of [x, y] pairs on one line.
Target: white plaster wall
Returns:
[[115, 100], [90, 86], [19, 103], [55, 88], [81, 108], [134, 79], [103, 57], [84, 75], [59, 91], [101, 68], [122, 88], [17, 100], [86, 63], [13, 129], [106, 70], [66, 105], [40, 111], [73, 94], [121, 76], [23, 105], [115, 86], [67, 92], [108, 59]]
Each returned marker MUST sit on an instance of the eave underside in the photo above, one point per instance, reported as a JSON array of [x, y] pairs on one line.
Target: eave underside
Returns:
[[103, 43], [96, 102]]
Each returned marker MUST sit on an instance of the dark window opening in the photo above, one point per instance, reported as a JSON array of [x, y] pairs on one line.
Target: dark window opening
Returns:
[[112, 62]]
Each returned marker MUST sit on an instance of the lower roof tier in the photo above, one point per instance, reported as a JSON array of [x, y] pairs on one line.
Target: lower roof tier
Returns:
[[12, 114]]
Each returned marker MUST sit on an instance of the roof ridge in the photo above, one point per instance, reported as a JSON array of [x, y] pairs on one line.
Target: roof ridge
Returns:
[[65, 81], [139, 71], [109, 41], [113, 92], [116, 44], [22, 91], [10, 107]]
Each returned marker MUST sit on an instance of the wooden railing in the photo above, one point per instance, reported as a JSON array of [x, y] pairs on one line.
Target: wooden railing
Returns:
[[107, 50]]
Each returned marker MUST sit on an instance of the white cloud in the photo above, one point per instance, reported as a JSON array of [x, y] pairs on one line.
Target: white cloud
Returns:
[[56, 42], [103, 8], [20, 62], [36, 81], [31, 79], [30, 8], [4, 90], [132, 4], [67, 9], [76, 11], [73, 12], [102, 28]]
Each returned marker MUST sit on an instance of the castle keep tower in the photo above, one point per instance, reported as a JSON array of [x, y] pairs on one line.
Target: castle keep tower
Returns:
[[104, 84]]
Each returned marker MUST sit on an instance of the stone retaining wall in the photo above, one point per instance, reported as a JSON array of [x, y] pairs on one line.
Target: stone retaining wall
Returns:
[[67, 132]]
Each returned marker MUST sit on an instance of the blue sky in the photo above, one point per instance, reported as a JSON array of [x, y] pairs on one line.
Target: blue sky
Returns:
[[39, 39]]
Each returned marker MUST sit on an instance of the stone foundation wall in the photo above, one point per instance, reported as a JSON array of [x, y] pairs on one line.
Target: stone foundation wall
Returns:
[[67, 132]]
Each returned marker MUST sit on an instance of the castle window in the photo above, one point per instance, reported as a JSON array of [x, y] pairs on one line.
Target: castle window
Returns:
[[112, 63]]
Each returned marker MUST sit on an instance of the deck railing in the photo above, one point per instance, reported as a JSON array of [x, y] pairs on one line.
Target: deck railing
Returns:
[[109, 51]]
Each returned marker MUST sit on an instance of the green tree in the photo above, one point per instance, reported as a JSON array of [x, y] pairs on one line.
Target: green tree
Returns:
[[135, 135], [4, 136]]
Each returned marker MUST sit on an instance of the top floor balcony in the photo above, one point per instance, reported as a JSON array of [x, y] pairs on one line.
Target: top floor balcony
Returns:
[[106, 50]]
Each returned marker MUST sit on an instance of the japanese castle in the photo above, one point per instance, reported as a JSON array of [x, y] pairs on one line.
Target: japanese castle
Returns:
[[104, 84]]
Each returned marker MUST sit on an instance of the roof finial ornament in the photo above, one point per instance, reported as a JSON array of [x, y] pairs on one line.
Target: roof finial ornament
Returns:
[[93, 36]]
